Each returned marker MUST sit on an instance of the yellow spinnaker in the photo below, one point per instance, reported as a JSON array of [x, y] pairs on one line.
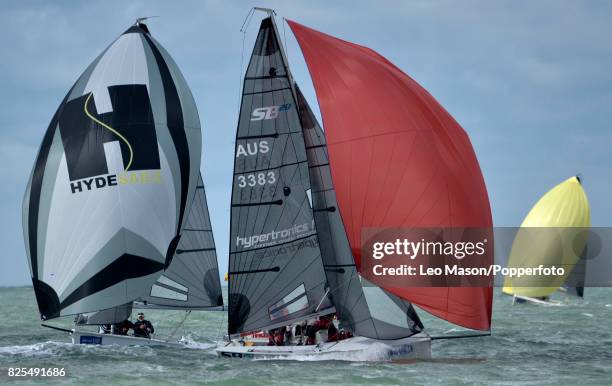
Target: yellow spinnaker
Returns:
[[563, 218], [110, 129]]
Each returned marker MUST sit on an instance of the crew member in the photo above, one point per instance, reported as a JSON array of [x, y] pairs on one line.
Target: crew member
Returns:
[[143, 328], [122, 328], [333, 334]]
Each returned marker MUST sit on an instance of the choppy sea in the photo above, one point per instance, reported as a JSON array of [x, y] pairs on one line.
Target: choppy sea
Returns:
[[530, 344]]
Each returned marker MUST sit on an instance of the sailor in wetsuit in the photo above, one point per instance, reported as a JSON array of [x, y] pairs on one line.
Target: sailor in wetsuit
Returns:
[[143, 328]]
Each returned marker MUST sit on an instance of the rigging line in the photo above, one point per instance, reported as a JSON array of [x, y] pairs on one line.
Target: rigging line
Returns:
[[110, 129], [285, 42], [322, 299], [221, 324], [245, 25]]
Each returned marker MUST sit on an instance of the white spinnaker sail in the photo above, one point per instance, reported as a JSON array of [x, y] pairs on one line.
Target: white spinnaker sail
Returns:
[[117, 168]]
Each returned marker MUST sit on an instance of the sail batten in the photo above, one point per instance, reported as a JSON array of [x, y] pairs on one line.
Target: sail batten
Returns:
[[191, 281]]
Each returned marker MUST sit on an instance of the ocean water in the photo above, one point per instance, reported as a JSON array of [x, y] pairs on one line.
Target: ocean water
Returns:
[[567, 345]]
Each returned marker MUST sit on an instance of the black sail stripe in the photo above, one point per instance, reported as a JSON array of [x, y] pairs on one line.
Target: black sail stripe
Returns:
[[174, 117], [125, 267], [36, 186]]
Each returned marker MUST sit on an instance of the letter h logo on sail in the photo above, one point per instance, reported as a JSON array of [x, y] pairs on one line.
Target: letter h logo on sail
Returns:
[[130, 124]]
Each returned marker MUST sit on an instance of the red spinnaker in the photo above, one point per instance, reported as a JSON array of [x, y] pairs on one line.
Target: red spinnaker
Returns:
[[398, 159]]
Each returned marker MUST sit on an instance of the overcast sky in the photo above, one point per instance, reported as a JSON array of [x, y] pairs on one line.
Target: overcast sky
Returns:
[[531, 83]]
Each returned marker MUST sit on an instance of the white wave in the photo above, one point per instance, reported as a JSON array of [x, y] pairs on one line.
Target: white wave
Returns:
[[53, 348], [34, 349], [190, 343], [377, 352]]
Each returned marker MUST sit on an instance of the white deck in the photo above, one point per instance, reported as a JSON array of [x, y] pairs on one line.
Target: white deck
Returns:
[[85, 337], [352, 349]]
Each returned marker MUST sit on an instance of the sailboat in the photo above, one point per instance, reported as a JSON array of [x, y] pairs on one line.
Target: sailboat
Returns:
[[389, 157], [554, 232], [114, 211]]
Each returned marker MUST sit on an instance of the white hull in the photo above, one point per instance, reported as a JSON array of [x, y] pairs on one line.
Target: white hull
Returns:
[[94, 338], [352, 349], [517, 299]]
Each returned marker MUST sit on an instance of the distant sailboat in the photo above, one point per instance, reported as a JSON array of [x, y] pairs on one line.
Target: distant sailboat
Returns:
[[301, 196], [115, 191], [563, 216]]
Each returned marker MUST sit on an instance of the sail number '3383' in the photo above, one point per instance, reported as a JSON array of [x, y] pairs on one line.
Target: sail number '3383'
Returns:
[[255, 179]]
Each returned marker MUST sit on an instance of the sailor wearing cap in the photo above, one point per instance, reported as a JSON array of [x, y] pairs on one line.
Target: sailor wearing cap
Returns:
[[143, 328]]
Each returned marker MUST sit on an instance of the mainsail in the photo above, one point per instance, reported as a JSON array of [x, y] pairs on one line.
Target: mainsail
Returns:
[[276, 274], [108, 316], [192, 279], [106, 201], [424, 172], [559, 221], [362, 307]]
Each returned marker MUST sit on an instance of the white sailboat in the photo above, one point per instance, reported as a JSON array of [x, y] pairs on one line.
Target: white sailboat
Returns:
[[300, 199], [114, 214]]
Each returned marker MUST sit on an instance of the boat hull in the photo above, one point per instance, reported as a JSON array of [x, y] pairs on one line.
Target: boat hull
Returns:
[[352, 349], [94, 338], [518, 299]]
